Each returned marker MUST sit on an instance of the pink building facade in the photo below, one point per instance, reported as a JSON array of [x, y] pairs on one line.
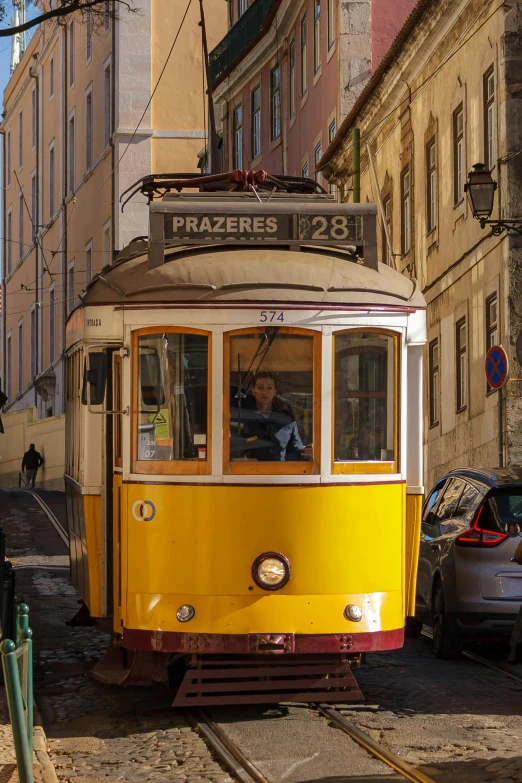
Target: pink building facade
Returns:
[[288, 73]]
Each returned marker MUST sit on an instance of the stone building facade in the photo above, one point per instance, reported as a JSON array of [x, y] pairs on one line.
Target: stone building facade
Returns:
[[80, 125], [288, 72], [445, 97]]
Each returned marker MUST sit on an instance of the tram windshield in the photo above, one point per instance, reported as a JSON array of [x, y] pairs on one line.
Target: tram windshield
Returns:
[[172, 397], [271, 397], [364, 397]]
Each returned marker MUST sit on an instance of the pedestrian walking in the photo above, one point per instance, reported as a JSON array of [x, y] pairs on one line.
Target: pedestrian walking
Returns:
[[515, 653], [31, 462]]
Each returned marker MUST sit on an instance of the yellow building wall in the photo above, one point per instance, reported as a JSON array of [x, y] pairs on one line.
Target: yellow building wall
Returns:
[[22, 428]]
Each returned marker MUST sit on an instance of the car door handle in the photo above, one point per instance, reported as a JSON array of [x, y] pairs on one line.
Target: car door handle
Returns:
[[435, 547]]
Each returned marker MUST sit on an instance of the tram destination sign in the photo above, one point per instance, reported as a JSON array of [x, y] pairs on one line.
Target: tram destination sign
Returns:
[[263, 228], [179, 222]]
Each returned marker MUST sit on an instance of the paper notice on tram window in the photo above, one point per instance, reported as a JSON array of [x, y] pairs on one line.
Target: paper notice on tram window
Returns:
[[200, 439]]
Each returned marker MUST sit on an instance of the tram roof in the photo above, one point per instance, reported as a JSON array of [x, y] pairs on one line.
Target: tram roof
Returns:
[[234, 274]]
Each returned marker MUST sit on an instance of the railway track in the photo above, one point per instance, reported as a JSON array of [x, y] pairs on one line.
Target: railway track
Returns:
[[53, 519], [239, 765], [481, 660]]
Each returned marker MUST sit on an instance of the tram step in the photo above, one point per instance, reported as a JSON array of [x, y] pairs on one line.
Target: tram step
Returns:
[[218, 681]]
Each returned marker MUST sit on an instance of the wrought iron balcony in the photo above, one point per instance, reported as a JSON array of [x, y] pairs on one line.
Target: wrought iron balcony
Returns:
[[239, 38]]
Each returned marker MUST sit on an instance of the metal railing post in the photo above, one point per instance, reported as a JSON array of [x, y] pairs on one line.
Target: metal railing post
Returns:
[[25, 641], [24, 756]]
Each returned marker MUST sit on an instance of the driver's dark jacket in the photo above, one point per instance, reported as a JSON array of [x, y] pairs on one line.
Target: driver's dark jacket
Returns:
[[271, 437]]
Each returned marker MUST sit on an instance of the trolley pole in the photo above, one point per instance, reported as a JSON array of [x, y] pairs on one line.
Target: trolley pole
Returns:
[[500, 430], [356, 165]]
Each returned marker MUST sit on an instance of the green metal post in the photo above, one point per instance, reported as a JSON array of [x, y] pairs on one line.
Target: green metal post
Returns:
[[26, 641], [24, 758], [356, 165]]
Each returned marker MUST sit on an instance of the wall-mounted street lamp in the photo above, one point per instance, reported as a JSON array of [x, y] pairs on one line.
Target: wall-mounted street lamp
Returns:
[[480, 188]]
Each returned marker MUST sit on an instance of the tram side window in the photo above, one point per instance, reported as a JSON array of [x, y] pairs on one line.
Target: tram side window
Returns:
[[172, 397], [364, 397], [271, 397]]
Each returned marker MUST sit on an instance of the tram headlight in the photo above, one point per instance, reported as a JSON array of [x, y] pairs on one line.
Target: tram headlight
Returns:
[[271, 571], [185, 613], [354, 613]]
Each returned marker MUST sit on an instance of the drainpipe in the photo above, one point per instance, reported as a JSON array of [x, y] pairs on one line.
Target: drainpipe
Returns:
[[356, 165], [115, 213], [36, 217], [65, 177], [2, 281]]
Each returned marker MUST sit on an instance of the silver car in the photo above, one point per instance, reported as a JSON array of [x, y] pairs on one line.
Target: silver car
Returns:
[[467, 583]]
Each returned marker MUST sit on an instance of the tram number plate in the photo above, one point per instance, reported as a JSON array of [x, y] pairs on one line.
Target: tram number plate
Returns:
[[271, 316], [340, 228]]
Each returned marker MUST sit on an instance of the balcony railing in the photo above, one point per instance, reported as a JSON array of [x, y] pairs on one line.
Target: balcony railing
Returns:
[[239, 38]]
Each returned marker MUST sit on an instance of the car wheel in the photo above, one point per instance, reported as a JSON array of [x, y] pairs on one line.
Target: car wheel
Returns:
[[447, 641], [412, 628]]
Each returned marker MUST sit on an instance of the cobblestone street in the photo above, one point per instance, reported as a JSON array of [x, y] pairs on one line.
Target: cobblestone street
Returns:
[[456, 721]]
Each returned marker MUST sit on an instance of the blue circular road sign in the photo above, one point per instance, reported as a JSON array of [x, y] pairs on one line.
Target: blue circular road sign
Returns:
[[497, 366]]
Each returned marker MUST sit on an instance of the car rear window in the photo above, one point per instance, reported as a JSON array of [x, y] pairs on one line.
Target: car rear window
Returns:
[[503, 508]]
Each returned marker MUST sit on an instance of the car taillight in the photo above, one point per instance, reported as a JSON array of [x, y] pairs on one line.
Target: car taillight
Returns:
[[477, 536]]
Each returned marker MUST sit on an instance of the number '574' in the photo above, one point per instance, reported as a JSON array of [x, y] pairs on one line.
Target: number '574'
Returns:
[[268, 316]]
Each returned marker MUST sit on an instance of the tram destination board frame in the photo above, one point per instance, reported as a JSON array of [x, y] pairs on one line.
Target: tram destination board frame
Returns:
[[190, 221]]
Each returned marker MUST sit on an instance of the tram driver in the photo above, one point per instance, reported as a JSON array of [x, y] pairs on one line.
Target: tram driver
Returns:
[[268, 427]]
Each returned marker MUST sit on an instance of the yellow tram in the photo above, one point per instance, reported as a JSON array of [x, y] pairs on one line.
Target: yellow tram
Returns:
[[244, 443]]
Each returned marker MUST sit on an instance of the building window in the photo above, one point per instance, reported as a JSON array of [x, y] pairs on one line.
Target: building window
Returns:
[[21, 225], [386, 252], [72, 155], [51, 181], [107, 16], [491, 326], [405, 211], [88, 262], [489, 118], [20, 356], [317, 35], [9, 242], [331, 23], [108, 106], [8, 159], [461, 362], [237, 136], [304, 56], [20, 140], [33, 342], [458, 155], [51, 78], [292, 80], [318, 153], [70, 286], [34, 217], [88, 131], [431, 186], [332, 130], [304, 170], [9, 368], [71, 54], [256, 121], [242, 6], [434, 382], [33, 119], [88, 35], [107, 242], [52, 316], [275, 103]]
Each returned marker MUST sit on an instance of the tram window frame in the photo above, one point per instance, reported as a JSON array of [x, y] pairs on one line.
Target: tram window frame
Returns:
[[262, 468], [372, 466], [173, 467]]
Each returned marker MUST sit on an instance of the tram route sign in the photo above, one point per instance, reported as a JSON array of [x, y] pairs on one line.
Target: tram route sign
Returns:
[[497, 366], [189, 221]]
